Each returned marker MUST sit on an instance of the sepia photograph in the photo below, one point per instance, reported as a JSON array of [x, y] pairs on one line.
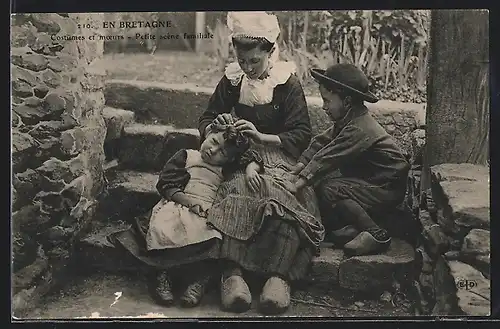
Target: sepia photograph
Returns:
[[250, 164]]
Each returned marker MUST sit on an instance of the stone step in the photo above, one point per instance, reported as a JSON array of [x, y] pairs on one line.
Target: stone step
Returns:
[[131, 193], [115, 119], [148, 147], [364, 274]]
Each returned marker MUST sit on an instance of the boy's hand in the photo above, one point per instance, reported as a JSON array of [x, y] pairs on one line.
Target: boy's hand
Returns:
[[252, 176], [292, 185], [297, 168], [293, 169]]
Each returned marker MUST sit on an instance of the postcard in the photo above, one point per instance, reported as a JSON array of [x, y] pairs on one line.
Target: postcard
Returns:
[[215, 165]]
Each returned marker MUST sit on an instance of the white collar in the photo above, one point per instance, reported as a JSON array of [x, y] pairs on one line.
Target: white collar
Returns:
[[259, 91], [278, 74]]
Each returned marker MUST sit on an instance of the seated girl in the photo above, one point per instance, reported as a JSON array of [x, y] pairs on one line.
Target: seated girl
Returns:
[[175, 238]]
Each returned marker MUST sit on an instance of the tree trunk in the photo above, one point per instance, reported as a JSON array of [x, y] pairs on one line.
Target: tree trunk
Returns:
[[457, 123]]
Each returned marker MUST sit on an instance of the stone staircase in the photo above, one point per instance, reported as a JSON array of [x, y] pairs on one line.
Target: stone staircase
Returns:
[[136, 153]]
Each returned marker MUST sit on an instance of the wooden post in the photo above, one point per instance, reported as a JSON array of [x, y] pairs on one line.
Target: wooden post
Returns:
[[457, 115], [199, 28], [458, 88]]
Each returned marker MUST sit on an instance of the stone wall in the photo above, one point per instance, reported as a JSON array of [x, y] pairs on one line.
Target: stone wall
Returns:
[[57, 146], [454, 251]]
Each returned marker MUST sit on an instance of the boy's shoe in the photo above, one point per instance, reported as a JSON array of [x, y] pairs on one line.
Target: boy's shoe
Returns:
[[341, 236], [235, 294], [194, 293], [163, 290], [372, 241], [275, 297]]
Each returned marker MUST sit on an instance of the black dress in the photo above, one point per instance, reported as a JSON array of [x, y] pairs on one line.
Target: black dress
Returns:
[[270, 239]]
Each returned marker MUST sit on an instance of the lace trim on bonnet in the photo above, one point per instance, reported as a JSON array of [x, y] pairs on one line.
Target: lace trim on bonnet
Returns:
[[260, 91]]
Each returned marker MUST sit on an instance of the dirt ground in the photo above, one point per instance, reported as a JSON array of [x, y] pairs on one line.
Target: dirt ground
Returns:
[[112, 296]]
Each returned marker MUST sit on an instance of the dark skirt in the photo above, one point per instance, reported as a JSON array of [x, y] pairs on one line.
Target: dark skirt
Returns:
[[267, 233]]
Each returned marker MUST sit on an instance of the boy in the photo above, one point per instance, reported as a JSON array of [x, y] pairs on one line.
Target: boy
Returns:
[[373, 170]]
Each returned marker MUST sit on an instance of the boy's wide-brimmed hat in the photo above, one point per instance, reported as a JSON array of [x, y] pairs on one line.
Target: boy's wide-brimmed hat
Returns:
[[347, 78]]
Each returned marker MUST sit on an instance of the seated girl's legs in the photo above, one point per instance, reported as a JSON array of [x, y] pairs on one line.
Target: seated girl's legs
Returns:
[[197, 283], [289, 261], [235, 293], [191, 280], [351, 199], [162, 288]]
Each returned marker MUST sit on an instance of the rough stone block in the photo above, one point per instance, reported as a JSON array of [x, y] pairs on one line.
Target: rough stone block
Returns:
[[148, 147], [28, 275], [21, 89], [97, 252], [378, 272], [79, 139], [426, 281], [43, 44], [56, 170], [23, 35], [30, 220], [46, 22], [92, 102], [129, 194], [25, 58], [27, 76], [116, 120], [27, 185], [51, 78], [24, 250], [325, 267], [476, 250], [24, 148], [29, 115], [473, 292], [434, 239], [41, 90], [450, 172], [46, 129], [427, 263], [26, 299], [93, 78], [465, 204], [54, 105]]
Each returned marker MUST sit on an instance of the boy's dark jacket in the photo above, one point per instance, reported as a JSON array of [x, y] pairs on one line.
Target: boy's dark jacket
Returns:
[[359, 147]]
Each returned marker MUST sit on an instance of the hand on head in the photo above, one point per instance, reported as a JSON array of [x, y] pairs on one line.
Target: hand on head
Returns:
[[224, 119]]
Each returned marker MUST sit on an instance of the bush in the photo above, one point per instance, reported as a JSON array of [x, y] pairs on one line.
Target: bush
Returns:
[[389, 46]]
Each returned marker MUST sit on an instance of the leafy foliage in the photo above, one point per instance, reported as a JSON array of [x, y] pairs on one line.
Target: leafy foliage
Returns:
[[390, 46]]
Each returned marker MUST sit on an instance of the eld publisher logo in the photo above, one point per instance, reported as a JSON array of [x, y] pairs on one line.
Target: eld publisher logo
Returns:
[[466, 284]]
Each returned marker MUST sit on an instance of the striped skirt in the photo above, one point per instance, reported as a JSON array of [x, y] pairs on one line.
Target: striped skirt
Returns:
[[269, 232]]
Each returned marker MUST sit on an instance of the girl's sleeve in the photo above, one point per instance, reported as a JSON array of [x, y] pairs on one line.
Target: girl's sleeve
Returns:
[[297, 124], [221, 101], [174, 177]]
